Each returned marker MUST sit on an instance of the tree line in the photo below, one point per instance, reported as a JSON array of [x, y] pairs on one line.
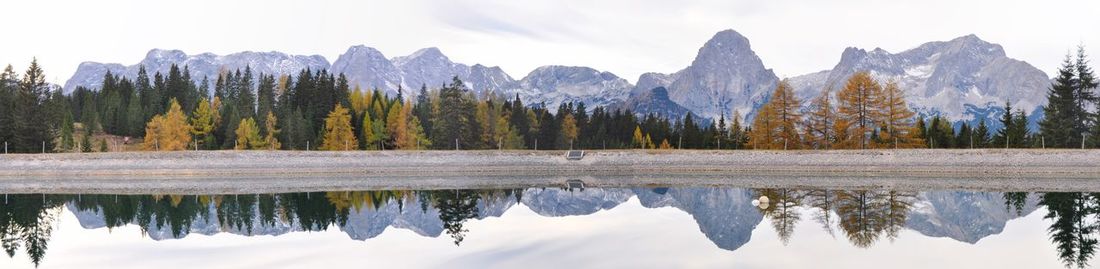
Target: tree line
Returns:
[[318, 110]]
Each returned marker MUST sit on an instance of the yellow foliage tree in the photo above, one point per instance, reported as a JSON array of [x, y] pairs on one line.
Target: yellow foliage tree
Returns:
[[269, 127], [397, 126], [858, 105], [168, 132], [248, 135], [338, 134], [569, 129], [202, 121], [638, 139], [665, 145]]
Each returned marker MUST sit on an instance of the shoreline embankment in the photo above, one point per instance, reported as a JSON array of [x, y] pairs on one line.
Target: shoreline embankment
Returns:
[[249, 171]]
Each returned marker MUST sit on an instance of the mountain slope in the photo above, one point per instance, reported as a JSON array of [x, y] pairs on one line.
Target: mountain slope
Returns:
[[90, 74], [726, 75], [965, 78]]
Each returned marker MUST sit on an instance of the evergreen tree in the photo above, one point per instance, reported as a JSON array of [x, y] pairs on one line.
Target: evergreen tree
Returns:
[[30, 129], [738, 135], [135, 116], [67, 141], [1004, 137], [1059, 126], [455, 120], [86, 142], [8, 84], [981, 135], [265, 99]]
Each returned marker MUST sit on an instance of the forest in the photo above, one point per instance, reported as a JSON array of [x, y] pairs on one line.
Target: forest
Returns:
[[318, 110]]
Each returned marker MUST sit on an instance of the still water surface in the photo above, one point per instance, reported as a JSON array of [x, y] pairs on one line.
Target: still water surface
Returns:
[[673, 227]]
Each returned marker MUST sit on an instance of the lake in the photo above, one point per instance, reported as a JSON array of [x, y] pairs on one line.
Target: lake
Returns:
[[554, 227]]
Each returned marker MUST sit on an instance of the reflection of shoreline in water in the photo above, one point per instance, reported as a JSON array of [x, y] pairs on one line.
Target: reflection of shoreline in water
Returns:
[[724, 215]]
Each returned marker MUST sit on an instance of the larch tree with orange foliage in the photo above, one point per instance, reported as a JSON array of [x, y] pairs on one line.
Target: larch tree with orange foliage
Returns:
[[821, 122], [896, 119], [858, 107], [775, 126]]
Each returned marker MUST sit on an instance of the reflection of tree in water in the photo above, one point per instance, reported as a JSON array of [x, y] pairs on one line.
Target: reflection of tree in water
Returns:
[[1074, 227], [26, 221], [455, 207], [866, 215], [824, 201], [1015, 200], [782, 210]]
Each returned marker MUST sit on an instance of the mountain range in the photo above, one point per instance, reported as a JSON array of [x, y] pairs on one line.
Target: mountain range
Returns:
[[965, 78]]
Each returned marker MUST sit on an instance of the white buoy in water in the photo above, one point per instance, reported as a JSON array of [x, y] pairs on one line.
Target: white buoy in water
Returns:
[[761, 202]]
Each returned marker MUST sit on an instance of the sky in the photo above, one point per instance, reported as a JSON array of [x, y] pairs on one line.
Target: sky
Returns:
[[625, 37]]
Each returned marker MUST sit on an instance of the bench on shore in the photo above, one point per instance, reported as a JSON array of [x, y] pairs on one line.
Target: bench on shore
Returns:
[[574, 155]]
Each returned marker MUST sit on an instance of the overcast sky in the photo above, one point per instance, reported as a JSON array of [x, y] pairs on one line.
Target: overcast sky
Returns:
[[625, 37]]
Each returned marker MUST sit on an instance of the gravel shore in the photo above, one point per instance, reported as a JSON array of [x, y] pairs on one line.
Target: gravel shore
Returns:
[[270, 171]]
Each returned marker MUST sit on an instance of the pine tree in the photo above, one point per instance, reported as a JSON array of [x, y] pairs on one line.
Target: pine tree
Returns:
[[265, 98], [338, 134], [1020, 129], [168, 132], [67, 141], [86, 142], [135, 116], [1059, 126], [30, 130], [455, 121], [738, 135], [1004, 137], [981, 135], [857, 108], [103, 145]]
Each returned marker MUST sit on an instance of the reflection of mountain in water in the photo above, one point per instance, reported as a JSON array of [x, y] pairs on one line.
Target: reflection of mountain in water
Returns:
[[963, 216], [558, 202], [724, 215]]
